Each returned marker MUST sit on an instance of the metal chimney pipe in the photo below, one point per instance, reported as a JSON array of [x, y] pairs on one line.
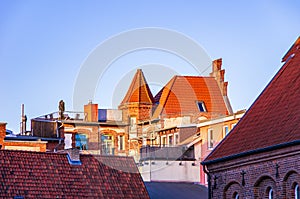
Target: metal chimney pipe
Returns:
[[23, 120]]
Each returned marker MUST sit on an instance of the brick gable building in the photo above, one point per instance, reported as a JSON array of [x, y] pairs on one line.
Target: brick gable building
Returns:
[[260, 157]]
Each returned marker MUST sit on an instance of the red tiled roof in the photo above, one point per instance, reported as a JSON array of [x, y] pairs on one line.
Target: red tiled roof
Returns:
[[181, 94], [139, 90], [49, 175], [273, 119]]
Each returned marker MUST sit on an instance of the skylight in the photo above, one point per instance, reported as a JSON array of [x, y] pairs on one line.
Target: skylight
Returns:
[[201, 106]]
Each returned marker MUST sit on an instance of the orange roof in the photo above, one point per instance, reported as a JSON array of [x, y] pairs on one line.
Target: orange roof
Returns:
[[273, 120], [139, 90], [181, 94]]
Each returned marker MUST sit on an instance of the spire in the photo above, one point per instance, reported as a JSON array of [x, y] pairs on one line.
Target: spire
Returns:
[[139, 90]]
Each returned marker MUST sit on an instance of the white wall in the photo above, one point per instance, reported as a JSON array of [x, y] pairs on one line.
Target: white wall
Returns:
[[171, 172], [178, 121]]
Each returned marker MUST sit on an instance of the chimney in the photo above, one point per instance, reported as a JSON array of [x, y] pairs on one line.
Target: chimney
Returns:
[[73, 156], [91, 112], [23, 120], [2, 133], [219, 74]]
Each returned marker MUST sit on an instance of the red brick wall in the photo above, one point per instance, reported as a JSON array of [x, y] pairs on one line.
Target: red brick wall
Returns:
[[140, 111], [278, 169], [29, 144], [91, 111], [2, 133]]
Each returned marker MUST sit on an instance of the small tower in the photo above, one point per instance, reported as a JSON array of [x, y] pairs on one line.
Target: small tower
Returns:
[[138, 101]]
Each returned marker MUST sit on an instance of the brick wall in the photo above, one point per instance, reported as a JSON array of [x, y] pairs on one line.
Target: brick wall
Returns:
[[278, 170], [138, 110], [39, 146], [2, 133], [91, 112]]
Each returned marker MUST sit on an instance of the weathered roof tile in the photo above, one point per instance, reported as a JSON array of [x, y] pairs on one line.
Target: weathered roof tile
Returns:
[[49, 175]]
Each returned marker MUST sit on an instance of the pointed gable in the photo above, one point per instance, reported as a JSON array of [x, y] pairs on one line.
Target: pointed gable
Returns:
[[182, 94], [273, 120], [139, 90]]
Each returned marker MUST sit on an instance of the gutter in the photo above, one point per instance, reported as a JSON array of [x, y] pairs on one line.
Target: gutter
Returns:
[[260, 150], [209, 181]]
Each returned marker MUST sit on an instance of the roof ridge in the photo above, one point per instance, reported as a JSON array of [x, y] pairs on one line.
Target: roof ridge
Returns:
[[160, 106]]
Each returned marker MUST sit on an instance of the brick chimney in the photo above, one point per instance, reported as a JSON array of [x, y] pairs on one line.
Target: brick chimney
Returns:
[[91, 112], [2, 133], [219, 74]]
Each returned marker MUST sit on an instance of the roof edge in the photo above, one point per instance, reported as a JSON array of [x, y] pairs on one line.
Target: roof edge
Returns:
[[260, 150], [291, 50]]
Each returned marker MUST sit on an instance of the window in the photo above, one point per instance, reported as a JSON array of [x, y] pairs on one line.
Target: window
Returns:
[[133, 124], [121, 143], [236, 196], [233, 125], [210, 140], [270, 193], [107, 145], [81, 141], [297, 194], [226, 130], [68, 140], [170, 140], [176, 141], [163, 140], [201, 106]]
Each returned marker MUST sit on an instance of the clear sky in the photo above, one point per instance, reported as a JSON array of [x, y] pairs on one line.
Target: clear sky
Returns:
[[43, 45]]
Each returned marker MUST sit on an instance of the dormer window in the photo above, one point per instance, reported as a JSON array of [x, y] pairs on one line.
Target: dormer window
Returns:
[[201, 106]]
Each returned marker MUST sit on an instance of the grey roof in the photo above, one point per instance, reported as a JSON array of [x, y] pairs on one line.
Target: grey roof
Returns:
[[163, 190]]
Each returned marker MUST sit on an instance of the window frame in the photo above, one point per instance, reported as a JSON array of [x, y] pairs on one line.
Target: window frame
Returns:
[[296, 191], [224, 131], [133, 124], [81, 138], [163, 138], [233, 125], [270, 193], [121, 142], [236, 195], [170, 138], [210, 139], [202, 105], [176, 140]]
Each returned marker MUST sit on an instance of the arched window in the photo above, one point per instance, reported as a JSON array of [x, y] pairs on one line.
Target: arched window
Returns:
[[271, 193], [236, 196], [297, 194]]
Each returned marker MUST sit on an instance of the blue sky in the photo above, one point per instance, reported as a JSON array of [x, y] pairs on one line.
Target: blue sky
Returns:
[[44, 44]]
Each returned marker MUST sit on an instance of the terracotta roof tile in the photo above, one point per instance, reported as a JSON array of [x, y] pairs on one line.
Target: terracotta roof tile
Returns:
[[273, 119], [49, 175], [181, 93], [139, 90]]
